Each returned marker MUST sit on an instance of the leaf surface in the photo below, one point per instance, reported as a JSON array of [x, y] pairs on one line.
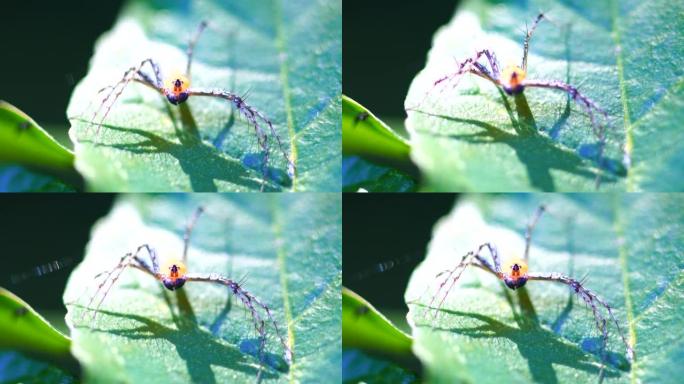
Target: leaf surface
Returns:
[[629, 247], [284, 249], [284, 56], [467, 135]]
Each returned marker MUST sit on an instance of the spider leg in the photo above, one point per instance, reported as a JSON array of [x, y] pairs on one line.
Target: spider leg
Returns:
[[454, 274], [591, 299], [471, 65], [530, 228], [249, 301], [528, 36], [191, 46], [128, 76], [188, 232], [255, 118], [129, 259], [587, 104]]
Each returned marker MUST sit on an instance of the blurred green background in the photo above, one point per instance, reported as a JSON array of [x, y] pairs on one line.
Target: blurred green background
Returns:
[[385, 44], [385, 237], [38, 229], [46, 46]]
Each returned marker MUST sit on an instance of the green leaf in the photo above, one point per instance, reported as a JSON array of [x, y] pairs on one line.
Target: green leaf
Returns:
[[623, 55], [285, 249], [364, 327], [24, 330], [285, 55], [629, 248], [24, 142], [367, 136]]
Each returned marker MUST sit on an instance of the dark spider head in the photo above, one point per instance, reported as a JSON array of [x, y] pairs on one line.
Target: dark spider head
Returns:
[[173, 284], [515, 283], [512, 78], [176, 99]]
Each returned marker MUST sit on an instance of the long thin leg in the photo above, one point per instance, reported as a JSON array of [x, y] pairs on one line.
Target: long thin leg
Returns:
[[191, 46], [454, 274], [469, 65], [128, 76], [591, 299], [188, 232], [127, 260], [254, 117], [249, 301], [530, 228], [528, 36], [588, 105]]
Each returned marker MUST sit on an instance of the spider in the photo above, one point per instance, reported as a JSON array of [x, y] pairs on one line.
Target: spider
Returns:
[[512, 79], [515, 275], [176, 89], [173, 276]]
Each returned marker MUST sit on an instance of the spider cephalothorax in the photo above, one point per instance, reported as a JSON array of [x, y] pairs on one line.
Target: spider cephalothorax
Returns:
[[515, 275], [177, 90], [173, 275]]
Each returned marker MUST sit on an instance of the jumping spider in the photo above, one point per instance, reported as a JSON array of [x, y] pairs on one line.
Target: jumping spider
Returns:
[[512, 79], [176, 89], [514, 275], [173, 275]]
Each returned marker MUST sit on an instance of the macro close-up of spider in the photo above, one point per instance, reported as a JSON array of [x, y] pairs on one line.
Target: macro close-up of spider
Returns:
[[514, 274], [176, 89], [173, 275], [513, 80]]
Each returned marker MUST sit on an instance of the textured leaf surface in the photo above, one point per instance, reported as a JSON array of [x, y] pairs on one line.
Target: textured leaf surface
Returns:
[[285, 55], [287, 248], [624, 55], [630, 247]]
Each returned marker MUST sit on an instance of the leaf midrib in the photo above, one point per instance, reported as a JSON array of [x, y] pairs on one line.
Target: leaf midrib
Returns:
[[622, 257], [617, 37], [281, 43], [280, 256]]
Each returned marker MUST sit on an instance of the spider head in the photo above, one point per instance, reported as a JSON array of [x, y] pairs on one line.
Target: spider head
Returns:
[[512, 78], [515, 273], [173, 274], [176, 89]]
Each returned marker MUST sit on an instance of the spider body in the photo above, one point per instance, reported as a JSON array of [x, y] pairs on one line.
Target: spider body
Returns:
[[515, 274], [512, 78], [173, 275], [176, 89]]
